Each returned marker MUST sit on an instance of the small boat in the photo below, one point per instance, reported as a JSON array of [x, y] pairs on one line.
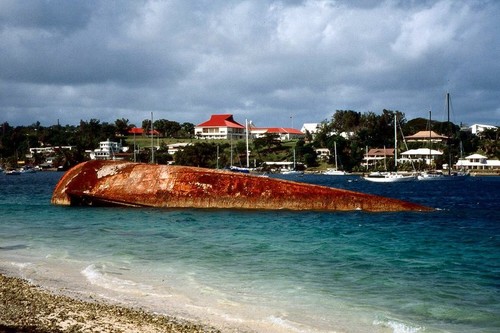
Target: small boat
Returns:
[[389, 177], [28, 170], [12, 172], [427, 175], [451, 175], [291, 172], [335, 171], [440, 176], [239, 169]]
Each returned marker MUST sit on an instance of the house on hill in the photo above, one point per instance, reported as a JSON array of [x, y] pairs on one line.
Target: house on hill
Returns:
[[312, 128], [140, 131], [476, 129], [376, 155], [220, 126], [478, 162], [428, 156], [426, 136], [223, 126], [282, 132]]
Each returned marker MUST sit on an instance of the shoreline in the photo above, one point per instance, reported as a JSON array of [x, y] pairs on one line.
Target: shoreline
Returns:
[[25, 307]]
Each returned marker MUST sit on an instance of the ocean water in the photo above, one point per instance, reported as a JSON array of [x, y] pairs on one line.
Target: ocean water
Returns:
[[276, 271]]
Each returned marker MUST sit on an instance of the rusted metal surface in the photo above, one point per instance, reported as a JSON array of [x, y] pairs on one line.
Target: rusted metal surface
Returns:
[[146, 185]]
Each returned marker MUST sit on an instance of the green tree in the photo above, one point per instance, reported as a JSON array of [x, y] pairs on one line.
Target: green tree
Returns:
[[269, 140], [162, 156], [187, 130], [167, 128], [122, 126], [202, 154], [89, 134], [146, 126], [306, 153], [345, 121]]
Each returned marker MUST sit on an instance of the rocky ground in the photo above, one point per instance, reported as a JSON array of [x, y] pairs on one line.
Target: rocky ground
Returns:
[[31, 309]]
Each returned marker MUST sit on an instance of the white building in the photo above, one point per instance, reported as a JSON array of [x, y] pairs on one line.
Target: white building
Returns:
[[220, 126], [476, 129], [323, 153], [421, 154], [478, 162], [175, 147], [107, 150], [312, 128], [283, 133]]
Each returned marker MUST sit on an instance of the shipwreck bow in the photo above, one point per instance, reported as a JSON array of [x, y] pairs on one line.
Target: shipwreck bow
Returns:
[[146, 185]]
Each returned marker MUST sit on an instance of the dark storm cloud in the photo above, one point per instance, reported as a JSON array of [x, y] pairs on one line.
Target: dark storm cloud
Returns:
[[184, 60]]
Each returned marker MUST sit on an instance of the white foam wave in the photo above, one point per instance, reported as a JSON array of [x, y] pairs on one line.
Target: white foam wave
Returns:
[[21, 265], [97, 276], [278, 321], [398, 327]]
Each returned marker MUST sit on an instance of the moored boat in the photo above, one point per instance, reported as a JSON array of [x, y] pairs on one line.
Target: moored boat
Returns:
[[440, 176], [335, 172], [389, 177], [12, 172]]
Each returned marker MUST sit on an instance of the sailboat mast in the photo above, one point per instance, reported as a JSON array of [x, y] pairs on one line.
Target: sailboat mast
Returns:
[[335, 148], [430, 138], [449, 132], [247, 134], [395, 141], [152, 141]]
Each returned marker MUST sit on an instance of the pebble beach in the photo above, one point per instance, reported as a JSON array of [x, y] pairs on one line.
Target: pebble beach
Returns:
[[28, 308]]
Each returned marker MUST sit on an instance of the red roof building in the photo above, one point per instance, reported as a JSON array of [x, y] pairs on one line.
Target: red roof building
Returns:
[[282, 132], [223, 126], [375, 155], [136, 130], [426, 136], [140, 131], [220, 126]]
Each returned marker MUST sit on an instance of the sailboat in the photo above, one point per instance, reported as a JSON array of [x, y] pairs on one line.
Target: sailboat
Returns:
[[450, 175], [430, 174], [391, 177], [246, 169], [293, 171], [336, 171]]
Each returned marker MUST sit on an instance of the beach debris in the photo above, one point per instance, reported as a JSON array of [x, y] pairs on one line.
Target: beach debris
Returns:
[[120, 183]]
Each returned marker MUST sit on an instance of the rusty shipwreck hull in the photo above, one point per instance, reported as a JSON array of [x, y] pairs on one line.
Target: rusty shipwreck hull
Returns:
[[146, 185]]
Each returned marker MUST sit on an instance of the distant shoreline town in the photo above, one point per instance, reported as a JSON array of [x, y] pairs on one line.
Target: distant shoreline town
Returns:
[[349, 142]]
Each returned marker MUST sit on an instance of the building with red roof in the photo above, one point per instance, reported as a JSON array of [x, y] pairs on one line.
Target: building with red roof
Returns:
[[223, 126], [284, 133], [375, 155], [220, 126], [426, 136], [140, 131]]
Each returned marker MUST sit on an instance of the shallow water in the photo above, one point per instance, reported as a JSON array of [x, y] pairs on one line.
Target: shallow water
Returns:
[[276, 271]]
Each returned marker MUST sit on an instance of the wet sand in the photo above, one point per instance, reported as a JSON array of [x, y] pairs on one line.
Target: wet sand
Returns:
[[28, 308]]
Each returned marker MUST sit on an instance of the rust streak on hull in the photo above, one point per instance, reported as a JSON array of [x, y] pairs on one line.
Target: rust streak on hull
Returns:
[[145, 185]]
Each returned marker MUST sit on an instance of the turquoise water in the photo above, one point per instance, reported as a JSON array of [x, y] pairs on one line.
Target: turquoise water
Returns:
[[275, 271]]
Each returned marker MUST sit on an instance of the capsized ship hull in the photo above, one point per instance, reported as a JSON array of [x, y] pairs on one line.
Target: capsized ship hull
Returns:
[[121, 183]]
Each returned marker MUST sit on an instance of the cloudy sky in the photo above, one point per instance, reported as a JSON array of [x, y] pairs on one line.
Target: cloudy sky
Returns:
[[276, 63]]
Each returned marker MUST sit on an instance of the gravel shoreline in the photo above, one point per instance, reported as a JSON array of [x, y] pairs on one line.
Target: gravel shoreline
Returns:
[[32, 309]]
